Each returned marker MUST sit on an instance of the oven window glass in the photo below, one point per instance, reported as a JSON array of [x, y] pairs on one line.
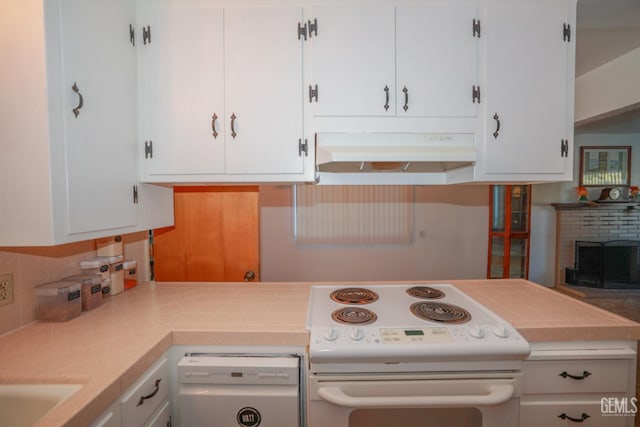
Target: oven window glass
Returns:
[[423, 417]]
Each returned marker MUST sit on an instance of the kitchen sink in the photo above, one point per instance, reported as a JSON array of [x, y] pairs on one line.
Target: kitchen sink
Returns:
[[21, 405]]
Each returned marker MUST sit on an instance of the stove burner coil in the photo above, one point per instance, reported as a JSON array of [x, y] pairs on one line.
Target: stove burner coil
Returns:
[[354, 316], [440, 312], [425, 292], [354, 296]]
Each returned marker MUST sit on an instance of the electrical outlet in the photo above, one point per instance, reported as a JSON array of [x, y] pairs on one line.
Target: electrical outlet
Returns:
[[6, 289]]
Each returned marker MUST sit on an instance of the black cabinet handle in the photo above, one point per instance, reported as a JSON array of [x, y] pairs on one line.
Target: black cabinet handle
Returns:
[[213, 125], [565, 374], [497, 119], [386, 94], [406, 98], [233, 126], [76, 111], [582, 418], [153, 393]]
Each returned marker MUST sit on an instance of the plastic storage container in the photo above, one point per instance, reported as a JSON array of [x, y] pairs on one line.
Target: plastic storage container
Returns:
[[91, 293], [130, 274], [116, 274], [58, 301], [98, 266], [106, 287]]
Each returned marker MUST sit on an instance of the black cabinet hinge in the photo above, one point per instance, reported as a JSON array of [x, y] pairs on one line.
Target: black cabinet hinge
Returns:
[[564, 148], [566, 32], [313, 93], [135, 194], [148, 149], [132, 35], [146, 34], [302, 31], [475, 94], [307, 28], [313, 27], [476, 28], [303, 148]]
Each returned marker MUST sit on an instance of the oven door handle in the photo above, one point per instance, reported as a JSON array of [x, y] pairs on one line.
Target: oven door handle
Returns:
[[496, 394]]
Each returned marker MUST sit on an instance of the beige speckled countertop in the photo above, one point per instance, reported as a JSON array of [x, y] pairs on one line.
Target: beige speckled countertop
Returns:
[[108, 348]]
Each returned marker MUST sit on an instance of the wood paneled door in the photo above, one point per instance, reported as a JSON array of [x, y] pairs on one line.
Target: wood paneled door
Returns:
[[215, 237]]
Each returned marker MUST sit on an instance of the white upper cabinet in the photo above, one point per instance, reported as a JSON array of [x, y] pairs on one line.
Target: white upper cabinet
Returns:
[[353, 60], [99, 113], [263, 80], [221, 93], [436, 60], [529, 67], [69, 121], [182, 117], [388, 60]]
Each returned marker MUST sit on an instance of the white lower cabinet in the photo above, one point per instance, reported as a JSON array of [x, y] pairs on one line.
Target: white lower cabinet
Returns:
[[564, 384], [109, 418], [146, 395], [144, 404], [162, 418], [564, 413]]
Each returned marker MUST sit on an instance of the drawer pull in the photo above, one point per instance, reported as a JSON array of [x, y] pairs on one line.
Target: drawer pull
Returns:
[[584, 375], [153, 393], [575, 420]]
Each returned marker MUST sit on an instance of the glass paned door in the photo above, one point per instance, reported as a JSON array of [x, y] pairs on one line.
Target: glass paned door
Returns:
[[509, 227]]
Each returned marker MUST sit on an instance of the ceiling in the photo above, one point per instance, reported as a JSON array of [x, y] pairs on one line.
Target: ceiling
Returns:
[[606, 30]]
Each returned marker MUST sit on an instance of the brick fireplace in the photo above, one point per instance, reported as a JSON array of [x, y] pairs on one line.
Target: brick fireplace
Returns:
[[604, 222]]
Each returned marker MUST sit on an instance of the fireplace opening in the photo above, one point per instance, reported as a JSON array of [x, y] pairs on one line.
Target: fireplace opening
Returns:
[[609, 265]]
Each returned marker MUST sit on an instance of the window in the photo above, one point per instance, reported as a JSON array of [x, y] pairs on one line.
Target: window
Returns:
[[353, 215]]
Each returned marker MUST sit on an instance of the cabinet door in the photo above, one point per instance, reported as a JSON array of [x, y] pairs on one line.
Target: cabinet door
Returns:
[[182, 88], [99, 147], [263, 81], [436, 54], [528, 86], [354, 60]]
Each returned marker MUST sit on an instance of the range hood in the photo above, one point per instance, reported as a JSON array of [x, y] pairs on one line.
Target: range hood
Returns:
[[394, 158]]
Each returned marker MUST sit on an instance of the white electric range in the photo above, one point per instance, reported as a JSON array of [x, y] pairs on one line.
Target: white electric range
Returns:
[[383, 355], [406, 323]]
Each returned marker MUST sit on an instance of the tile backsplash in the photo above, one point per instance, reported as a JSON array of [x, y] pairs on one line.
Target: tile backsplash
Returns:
[[33, 266]]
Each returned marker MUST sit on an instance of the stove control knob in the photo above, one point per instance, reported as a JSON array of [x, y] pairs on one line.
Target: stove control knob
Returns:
[[500, 331], [475, 331], [330, 334], [356, 334]]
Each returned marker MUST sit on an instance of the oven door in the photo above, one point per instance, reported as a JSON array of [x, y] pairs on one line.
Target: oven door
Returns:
[[375, 401]]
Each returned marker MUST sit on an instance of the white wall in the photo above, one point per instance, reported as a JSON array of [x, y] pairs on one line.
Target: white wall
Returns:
[[449, 241], [608, 88], [543, 222]]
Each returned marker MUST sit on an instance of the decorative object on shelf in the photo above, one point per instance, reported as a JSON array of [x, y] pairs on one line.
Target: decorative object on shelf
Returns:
[[610, 194], [605, 166], [583, 194], [634, 193]]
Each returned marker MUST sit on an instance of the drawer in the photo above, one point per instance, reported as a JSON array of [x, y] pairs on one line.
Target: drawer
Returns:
[[591, 376], [145, 395], [550, 414], [109, 418], [162, 418]]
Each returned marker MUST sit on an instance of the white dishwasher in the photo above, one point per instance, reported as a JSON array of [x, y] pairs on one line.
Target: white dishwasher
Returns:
[[239, 390]]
